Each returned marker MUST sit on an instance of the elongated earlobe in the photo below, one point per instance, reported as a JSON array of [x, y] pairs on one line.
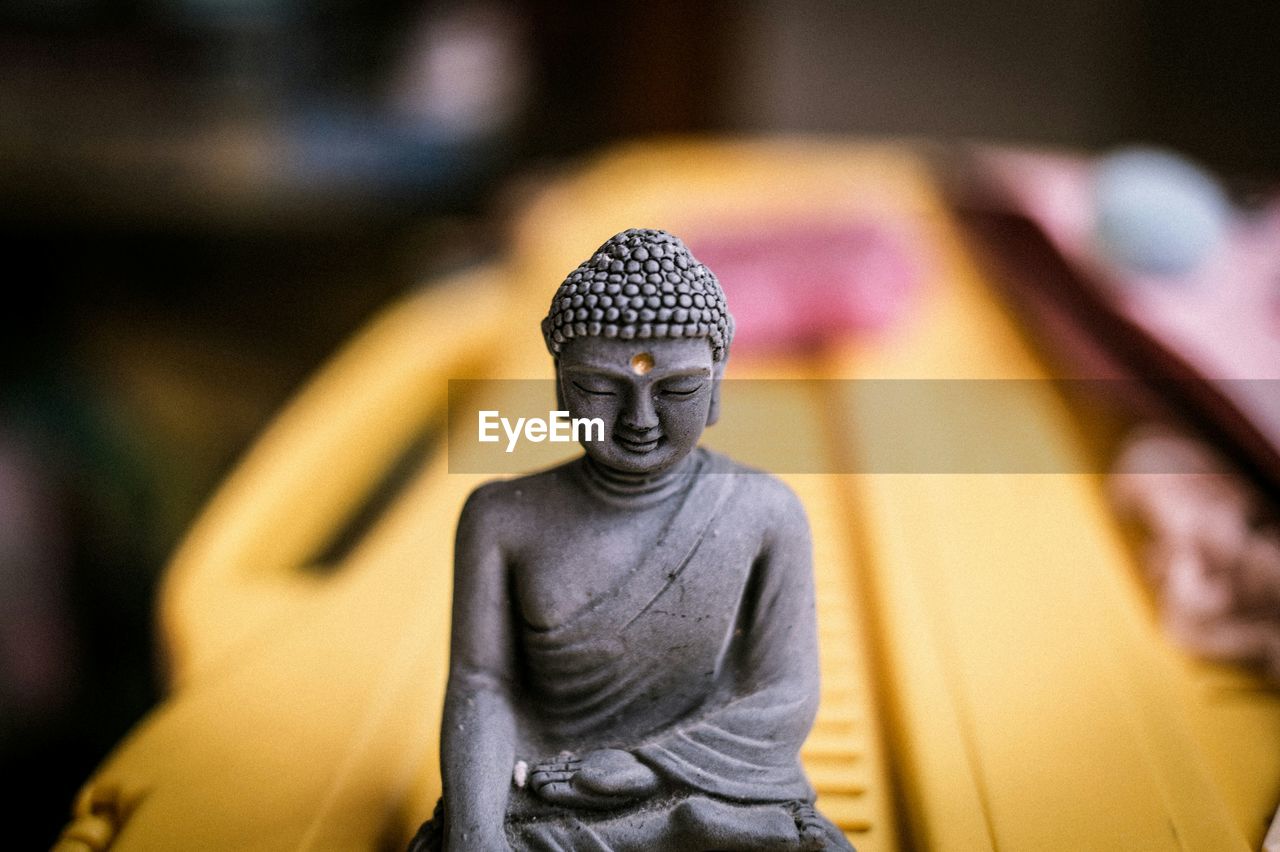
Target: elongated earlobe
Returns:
[[717, 373], [559, 389]]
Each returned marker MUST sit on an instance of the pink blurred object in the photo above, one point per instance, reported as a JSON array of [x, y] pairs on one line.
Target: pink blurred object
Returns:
[[1212, 554], [1223, 317], [1211, 335], [799, 286], [1200, 349]]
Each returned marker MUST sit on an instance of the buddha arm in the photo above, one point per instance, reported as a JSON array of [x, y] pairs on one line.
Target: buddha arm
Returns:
[[478, 730], [745, 745]]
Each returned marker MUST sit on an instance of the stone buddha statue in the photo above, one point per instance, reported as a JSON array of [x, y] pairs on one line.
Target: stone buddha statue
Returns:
[[634, 659]]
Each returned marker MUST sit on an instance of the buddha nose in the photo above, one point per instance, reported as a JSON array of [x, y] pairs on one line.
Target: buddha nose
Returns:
[[640, 415]]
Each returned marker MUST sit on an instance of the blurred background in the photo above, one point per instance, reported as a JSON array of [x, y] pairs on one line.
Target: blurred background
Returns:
[[201, 199]]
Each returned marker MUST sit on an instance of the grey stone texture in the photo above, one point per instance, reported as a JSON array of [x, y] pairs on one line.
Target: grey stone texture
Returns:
[[634, 661]]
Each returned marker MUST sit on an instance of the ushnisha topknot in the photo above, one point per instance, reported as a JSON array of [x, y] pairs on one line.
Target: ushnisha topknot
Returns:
[[641, 284]]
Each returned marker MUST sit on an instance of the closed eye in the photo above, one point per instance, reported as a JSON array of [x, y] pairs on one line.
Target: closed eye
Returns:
[[679, 392], [593, 391]]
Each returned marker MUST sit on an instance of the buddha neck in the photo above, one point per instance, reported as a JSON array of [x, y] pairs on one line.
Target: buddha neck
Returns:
[[635, 490]]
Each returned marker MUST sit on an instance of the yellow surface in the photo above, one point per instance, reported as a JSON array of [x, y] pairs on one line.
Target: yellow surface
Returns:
[[1034, 704], [990, 675]]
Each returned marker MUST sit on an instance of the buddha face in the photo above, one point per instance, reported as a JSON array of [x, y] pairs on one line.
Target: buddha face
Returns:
[[654, 396]]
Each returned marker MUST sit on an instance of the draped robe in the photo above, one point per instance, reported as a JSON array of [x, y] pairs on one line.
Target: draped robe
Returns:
[[702, 662]]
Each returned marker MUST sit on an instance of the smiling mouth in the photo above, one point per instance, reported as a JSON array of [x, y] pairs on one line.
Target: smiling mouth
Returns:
[[638, 446]]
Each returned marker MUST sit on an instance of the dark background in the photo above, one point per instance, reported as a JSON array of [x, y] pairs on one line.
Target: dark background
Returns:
[[200, 199]]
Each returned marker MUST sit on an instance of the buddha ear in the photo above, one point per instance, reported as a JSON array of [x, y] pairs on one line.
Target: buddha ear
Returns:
[[717, 373], [560, 406]]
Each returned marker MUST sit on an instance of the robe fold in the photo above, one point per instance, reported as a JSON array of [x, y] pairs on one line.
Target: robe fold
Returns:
[[703, 664]]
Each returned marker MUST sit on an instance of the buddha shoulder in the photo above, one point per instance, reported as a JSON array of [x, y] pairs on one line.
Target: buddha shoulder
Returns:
[[501, 506], [769, 503]]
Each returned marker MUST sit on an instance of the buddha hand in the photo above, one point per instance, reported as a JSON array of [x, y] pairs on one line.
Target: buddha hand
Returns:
[[598, 780]]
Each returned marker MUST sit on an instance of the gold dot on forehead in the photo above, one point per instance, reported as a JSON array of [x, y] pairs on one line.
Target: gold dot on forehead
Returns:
[[641, 363]]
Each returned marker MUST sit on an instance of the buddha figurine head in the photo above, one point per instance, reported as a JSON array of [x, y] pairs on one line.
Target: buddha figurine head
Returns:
[[640, 333]]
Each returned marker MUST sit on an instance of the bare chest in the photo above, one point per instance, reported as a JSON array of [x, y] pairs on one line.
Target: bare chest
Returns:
[[571, 567]]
